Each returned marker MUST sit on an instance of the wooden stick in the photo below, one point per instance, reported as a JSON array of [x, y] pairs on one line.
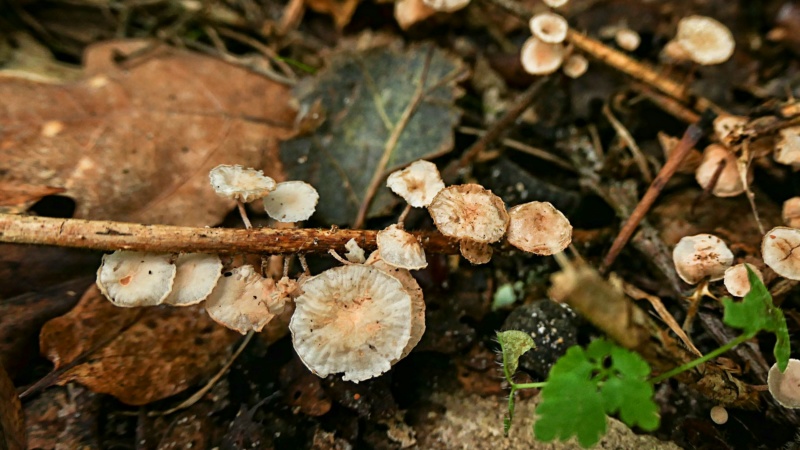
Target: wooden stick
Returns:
[[109, 236]]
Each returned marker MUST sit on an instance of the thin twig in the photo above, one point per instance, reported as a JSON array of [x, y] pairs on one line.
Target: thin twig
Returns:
[[109, 236], [523, 148], [630, 142]]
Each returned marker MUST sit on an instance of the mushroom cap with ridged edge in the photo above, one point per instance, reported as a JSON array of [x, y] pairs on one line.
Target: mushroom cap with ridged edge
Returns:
[[705, 40], [539, 57], [240, 183], [549, 27], [130, 279], [785, 386], [197, 275], [291, 201], [469, 211], [538, 228], [780, 250], [475, 252], [701, 256], [243, 300], [400, 248], [418, 183]]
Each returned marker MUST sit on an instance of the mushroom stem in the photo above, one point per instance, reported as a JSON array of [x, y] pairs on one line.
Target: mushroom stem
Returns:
[[109, 236], [243, 213], [401, 221]]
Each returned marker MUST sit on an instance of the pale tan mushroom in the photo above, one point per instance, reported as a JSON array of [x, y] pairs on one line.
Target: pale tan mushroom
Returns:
[[728, 127], [541, 58], [555, 3], [549, 27], [791, 212], [197, 274], [401, 249], [355, 254], [705, 40], [728, 183], [475, 252], [240, 183], [780, 250], [627, 39], [701, 256], [291, 201], [787, 149], [354, 319], [538, 228], [468, 211], [785, 386], [130, 279], [446, 5], [409, 12], [719, 415], [418, 183], [736, 280], [243, 300], [575, 66]]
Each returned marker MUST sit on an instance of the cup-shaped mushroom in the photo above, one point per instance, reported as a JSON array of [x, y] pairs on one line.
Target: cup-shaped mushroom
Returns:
[[240, 183], [291, 201], [446, 5], [418, 183], [353, 319], [575, 66], [549, 27], [780, 250], [475, 252], [538, 228], [785, 386], [719, 165], [400, 248], [701, 256], [539, 57], [791, 212], [787, 149], [468, 211], [736, 280], [627, 39], [705, 40], [197, 275], [131, 279], [243, 300]]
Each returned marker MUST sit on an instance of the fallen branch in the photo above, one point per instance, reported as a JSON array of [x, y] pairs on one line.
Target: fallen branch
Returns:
[[108, 236]]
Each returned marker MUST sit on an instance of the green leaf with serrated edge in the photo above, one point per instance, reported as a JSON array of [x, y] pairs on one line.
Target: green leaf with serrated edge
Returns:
[[571, 406], [633, 399], [599, 349], [629, 363], [514, 344], [573, 361]]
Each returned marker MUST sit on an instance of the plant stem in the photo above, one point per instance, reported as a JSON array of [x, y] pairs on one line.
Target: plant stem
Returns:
[[536, 385], [694, 363]]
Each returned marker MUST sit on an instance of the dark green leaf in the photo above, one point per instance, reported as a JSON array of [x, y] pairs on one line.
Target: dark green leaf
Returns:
[[514, 344], [571, 406]]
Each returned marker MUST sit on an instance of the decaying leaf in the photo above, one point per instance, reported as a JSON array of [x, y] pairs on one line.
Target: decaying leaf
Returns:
[[134, 140], [365, 96], [139, 355], [12, 422], [63, 418], [340, 10]]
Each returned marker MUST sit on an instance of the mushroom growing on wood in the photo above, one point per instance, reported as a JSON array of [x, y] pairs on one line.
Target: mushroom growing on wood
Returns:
[[240, 183], [785, 386], [701, 256], [130, 279], [418, 183], [787, 149], [736, 280], [446, 5], [353, 319], [541, 58], [401, 249], [575, 66], [468, 211], [197, 274], [780, 250], [627, 39], [291, 201], [705, 40], [728, 182], [538, 228], [243, 300], [475, 252], [549, 27]]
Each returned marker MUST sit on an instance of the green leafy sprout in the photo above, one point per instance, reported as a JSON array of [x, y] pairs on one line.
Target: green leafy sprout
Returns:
[[586, 385]]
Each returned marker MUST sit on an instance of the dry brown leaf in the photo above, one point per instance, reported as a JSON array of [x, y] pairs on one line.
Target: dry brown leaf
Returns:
[[135, 139], [12, 422], [63, 418], [17, 197], [340, 10], [136, 355]]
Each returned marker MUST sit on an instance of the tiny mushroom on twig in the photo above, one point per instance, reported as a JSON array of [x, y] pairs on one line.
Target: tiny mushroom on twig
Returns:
[[240, 183], [728, 127], [726, 179], [736, 280], [780, 250], [627, 39], [538, 228], [130, 279], [197, 274], [418, 183], [401, 249], [575, 66], [787, 149], [243, 300], [705, 40], [701, 256], [446, 5], [354, 254], [291, 201], [791, 212], [541, 58], [475, 252], [555, 3], [549, 27], [785, 386], [469, 211]]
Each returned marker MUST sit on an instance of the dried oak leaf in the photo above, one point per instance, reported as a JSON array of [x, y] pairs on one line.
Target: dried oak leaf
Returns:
[[340, 10], [12, 422], [136, 355], [135, 138], [368, 97]]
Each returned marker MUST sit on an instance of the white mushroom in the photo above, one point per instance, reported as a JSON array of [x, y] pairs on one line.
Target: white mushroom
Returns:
[[243, 300], [701, 256], [791, 212], [780, 250], [352, 319], [736, 280], [785, 386], [538, 228], [468, 211], [555, 3], [197, 274], [549, 27], [705, 40], [728, 127], [355, 254], [409, 12], [728, 183], [575, 66], [130, 279], [475, 252], [541, 58], [719, 415], [291, 201], [401, 249], [418, 183], [240, 183], [627, 39], [787, 149], [446, 5]]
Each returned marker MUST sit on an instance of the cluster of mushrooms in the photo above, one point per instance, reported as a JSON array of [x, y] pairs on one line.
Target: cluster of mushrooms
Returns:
[[359, 318]]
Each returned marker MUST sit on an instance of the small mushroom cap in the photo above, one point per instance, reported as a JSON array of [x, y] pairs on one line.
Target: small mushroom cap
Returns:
[[355, 254], [575, 66], [409, 12], [468, 211], [401, 249], [549, 27], [787, 149], [353, 319], [555, 3], [736, 280], [719, 415], [701, 256], [785, 386], [446, 5], [291, 201], [418, 183], [241, 300], [674, 52], [727, 127], [538, 228], [475, 252], [780, 250], [130, 279], [706, 40], [541, 58], [791, 212], [240, 183], [729, 183], [627, 39], [197, 274]]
